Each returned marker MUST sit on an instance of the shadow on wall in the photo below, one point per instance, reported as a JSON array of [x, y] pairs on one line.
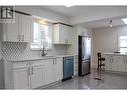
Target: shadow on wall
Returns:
[[1, 75]]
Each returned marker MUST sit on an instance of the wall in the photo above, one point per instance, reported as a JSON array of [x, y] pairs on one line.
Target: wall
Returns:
[[1, 65], [106, 40]]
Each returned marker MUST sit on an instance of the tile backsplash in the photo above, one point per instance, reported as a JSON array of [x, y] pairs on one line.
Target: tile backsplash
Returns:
[[18, 50]]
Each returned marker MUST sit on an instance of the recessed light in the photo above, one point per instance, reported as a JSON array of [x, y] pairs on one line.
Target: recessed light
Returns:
[[124, 20]]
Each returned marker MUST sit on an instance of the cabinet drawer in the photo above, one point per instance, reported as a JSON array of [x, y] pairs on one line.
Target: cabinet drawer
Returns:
[[37, 63], [17, 65]]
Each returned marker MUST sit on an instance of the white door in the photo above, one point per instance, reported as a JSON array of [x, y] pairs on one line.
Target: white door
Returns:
[[21, 78], [37, 76], [108, 62], [25, 27], [10, 30], [48, 71], [58, 69]]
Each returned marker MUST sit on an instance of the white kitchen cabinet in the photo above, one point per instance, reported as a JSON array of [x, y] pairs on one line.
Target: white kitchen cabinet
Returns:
[[25, 27], [121, 64], [118, 64], [21, 78], [10, 31], [108, 62], [62, 34], [32, 74], [48, 75], [58, 69], [115, 63], [125, 62], [37, 76], [19, 31]]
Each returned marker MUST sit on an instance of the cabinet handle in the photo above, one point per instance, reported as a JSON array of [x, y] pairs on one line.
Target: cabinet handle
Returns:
[[19, 38], [28, 71], [56, 61], [23, 38], [53, 61], [32, 70]]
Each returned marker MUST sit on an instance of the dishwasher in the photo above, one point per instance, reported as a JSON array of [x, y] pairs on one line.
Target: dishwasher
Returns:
[[68, 67]]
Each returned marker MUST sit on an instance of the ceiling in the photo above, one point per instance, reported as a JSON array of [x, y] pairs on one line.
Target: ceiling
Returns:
[[103, 23], [91, 16]]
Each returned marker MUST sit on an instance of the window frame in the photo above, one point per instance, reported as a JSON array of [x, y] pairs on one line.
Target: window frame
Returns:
[[51, 30]]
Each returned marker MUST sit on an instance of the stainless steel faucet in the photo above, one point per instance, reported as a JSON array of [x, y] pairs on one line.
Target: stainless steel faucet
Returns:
[[43, 51]]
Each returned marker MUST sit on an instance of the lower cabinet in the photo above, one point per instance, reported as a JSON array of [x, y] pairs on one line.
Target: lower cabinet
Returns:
[[58, 69], [21, 78], [108, 61], [37, 77], [53, 70], [48, 71], [116, 63], [33, 74]]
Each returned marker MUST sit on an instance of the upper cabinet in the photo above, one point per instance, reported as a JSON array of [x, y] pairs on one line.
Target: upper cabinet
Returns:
[[62, 34], [19, 31]]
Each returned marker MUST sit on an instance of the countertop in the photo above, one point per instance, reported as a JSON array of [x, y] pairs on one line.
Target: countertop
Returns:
[[38, 58], [116, 54]]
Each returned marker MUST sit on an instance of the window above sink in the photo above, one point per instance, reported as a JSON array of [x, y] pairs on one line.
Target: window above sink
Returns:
[[42, 35]]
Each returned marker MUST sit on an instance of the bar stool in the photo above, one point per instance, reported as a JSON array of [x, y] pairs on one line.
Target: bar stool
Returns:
[[100, 61]]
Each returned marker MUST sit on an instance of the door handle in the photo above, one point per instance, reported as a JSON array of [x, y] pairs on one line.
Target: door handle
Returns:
[[23, 38]]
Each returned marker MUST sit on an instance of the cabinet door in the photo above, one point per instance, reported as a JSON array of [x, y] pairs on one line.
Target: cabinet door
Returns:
[[115, 63], [58, 69], [10, 30], [48, 71], [37, 76], [25, 27], [125, 60], [121, 64], [63, 34], [108, 62], [21, 78]]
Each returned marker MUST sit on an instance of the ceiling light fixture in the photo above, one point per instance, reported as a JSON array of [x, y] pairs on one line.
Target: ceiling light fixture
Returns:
[[124, 20], [110, 23]]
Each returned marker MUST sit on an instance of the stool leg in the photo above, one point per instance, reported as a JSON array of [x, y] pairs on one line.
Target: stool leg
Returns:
[[98, 64]]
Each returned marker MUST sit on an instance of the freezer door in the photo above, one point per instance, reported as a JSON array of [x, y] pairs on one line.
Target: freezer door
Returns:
[[85, 67]]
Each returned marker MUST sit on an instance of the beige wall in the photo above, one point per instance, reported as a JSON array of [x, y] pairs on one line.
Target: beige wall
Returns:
[[106, 40]]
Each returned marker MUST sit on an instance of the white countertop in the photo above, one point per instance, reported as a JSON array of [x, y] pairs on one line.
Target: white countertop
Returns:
[[116, 54], [38, 58]]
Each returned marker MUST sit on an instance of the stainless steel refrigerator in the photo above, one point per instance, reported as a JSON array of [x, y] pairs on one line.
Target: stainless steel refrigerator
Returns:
[[84, 55]]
